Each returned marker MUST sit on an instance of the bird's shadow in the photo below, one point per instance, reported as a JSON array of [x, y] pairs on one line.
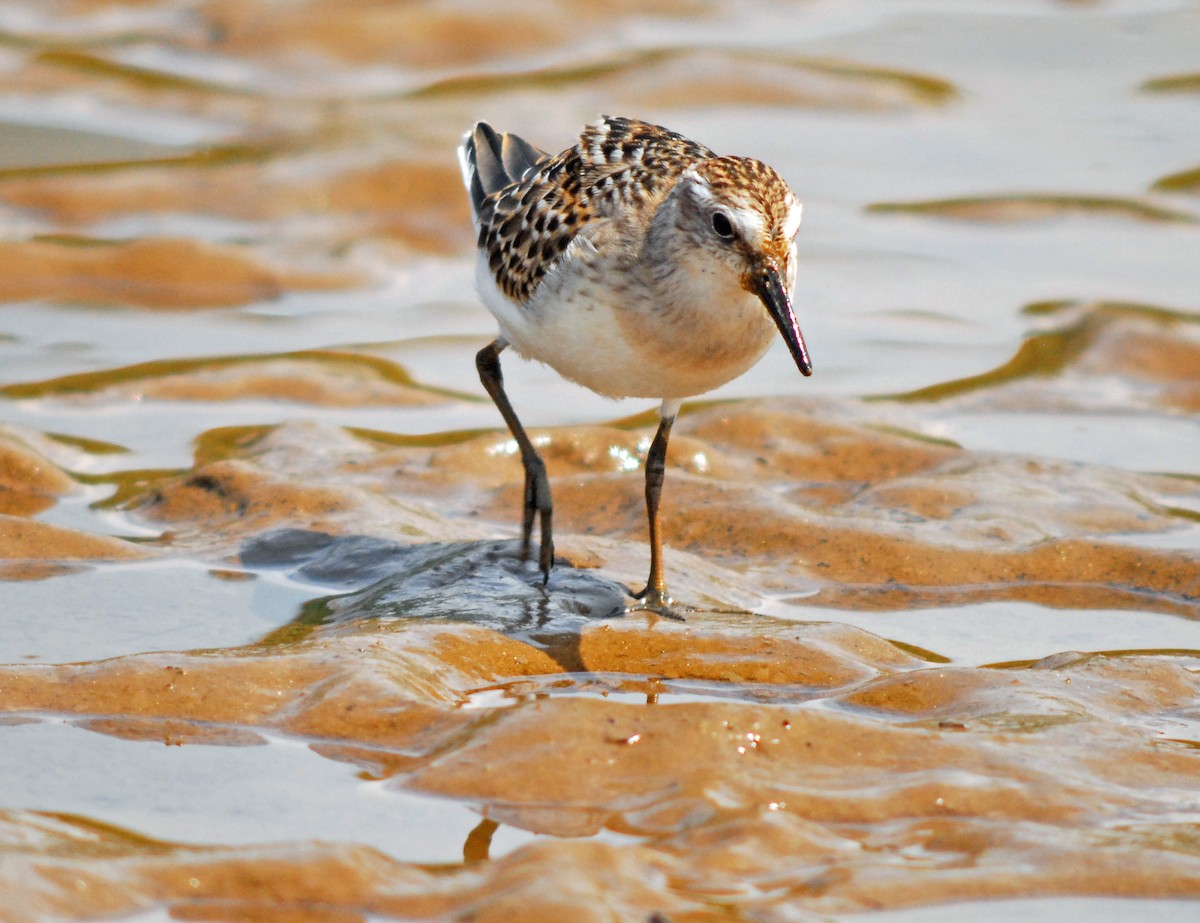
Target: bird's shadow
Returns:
[[481, 583]]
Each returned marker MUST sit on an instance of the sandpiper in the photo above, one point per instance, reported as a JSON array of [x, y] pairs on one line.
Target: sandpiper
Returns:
[[637, 263]]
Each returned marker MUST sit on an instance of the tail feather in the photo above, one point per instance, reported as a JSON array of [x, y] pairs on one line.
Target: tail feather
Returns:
[[491, 161]]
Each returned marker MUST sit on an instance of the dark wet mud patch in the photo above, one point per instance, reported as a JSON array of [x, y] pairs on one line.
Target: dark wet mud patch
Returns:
[[484, 583]]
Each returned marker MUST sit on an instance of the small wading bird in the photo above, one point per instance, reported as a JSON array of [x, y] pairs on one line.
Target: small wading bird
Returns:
[[636, 263]]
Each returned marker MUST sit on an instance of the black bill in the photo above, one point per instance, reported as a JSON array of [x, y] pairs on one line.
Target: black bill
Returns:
[[773, 292]]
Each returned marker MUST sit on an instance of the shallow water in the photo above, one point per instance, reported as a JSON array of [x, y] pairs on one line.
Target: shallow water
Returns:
[[255, 507]]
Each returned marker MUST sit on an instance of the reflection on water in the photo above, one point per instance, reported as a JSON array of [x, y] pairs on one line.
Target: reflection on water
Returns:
[[948, 646]]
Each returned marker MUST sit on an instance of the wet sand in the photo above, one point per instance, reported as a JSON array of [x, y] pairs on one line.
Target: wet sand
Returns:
[[269, 651]]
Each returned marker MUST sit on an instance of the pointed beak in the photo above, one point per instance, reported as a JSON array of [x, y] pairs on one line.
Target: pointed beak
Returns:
[[769, 286]]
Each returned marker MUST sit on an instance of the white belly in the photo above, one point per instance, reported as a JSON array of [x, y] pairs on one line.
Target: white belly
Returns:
[[599, 338]]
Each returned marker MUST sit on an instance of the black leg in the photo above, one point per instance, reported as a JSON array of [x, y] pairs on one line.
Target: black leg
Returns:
[[655, 596], [537, 486]]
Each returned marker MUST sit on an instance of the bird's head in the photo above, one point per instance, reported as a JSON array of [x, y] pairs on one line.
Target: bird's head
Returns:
[[741, 213]]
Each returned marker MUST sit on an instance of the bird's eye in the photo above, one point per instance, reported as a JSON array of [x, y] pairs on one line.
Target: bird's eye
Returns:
[[722, 226]]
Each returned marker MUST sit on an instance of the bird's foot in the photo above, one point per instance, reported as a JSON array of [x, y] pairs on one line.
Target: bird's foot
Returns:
[[545, 556], [658, 601]]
